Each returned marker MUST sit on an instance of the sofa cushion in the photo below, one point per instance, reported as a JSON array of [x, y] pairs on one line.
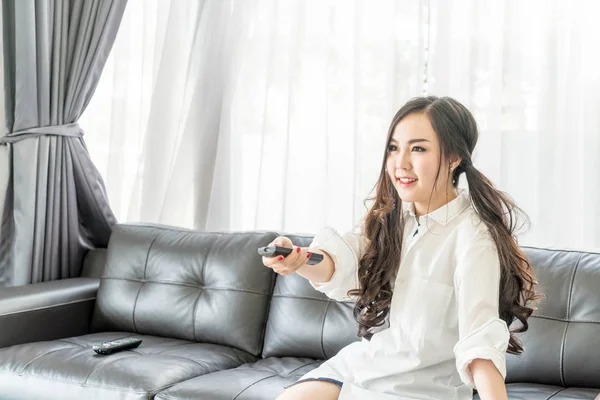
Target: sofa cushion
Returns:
[[205, 287], [535, 391], [264, 379], [562, 345], [304, 322], [70, 369]]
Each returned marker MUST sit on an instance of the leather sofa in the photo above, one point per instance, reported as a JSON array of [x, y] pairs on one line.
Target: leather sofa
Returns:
[[217, 325]]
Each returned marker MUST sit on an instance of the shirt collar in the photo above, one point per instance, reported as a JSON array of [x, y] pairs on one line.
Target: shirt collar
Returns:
[[444, 214]]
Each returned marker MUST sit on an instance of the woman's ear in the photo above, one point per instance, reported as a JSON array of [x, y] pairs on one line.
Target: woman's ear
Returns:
[[454, 162]]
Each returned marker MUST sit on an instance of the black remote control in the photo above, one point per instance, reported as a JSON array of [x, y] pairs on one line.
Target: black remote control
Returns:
[[274, 251], [116, 345]]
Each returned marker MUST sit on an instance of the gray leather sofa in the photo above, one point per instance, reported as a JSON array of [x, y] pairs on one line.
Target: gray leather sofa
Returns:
[[217, 325]]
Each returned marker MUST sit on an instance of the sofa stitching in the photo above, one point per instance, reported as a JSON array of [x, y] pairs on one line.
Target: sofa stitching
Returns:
[[260, 380], [266, 324], [590, 251], [271, 371], [562, 354], [177, 345], [562, 343], [302, 297], [69, 342], [134, 304], [188, 359], [124, 337], [323, 328], [302, 366], [267, 315], [148, 254], [571, 287], [42, 355], [203, 274], [184, 284], [88, 385], [99, 367], [158, 389], [166, 396], [555, 393], [194, 315], [564, 319], [203, 282], [235, 357], [143, 282], [47, 307], [72, 382], [185, 230], [244, 368]]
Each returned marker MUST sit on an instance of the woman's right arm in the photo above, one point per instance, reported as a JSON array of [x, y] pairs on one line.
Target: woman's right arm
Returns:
[[322, 272], [338, 272]]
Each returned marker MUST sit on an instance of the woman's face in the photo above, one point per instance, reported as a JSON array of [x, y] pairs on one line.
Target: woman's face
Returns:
[[413, 153]]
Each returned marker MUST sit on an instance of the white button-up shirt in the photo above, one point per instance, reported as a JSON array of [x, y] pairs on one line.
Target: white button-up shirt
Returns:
[[443, 315]]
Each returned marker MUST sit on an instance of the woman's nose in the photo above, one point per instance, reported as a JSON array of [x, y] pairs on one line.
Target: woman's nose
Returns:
[[402, 162]]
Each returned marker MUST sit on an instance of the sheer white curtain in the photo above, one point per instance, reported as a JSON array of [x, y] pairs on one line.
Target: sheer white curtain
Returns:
[[530, 72], [261, 114], [153, 124], [267, 114]]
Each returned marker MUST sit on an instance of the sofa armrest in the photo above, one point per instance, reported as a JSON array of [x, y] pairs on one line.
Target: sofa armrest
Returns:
[[47, 310]]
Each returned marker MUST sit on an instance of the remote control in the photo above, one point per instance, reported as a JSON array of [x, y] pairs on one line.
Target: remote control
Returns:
[[116, 345], [274, 251]]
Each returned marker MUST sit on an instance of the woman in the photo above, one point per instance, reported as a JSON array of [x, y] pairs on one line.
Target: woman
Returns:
[[436, 272]]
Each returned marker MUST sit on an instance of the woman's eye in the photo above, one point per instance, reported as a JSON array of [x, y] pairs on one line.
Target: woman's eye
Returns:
[[417, 148], [391, 147]]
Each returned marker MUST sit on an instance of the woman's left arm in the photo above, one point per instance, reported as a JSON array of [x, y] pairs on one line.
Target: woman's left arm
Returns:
[[483, 335], [488, 380]]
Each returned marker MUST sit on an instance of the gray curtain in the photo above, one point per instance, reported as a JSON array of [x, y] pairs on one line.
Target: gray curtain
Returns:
[[56, 205]]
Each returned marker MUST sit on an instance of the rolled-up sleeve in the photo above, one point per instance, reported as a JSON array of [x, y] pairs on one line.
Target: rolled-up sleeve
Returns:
[[482, 334], [345, 251]]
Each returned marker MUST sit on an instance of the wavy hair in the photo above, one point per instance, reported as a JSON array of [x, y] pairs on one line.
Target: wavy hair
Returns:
[[457, 133]]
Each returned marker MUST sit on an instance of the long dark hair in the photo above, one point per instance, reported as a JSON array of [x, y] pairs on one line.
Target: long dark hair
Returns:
[[457, 133]]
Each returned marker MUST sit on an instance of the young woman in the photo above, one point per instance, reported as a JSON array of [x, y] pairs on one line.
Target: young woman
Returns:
[[436, 272]]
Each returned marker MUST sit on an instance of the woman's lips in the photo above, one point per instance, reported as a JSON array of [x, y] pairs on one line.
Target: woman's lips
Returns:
[[406, 184]]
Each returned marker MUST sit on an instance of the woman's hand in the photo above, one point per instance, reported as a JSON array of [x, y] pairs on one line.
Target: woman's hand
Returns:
[[291, 263]]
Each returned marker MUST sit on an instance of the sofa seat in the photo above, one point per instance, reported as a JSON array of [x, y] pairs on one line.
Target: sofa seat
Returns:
[[70, 367], [263, 379], [535, 391]]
